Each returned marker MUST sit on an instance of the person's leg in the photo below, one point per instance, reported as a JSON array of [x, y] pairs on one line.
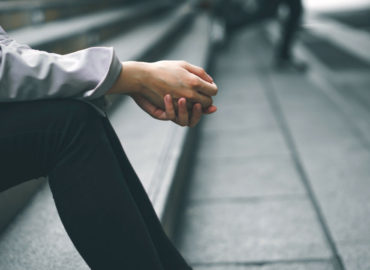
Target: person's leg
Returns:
[[290, 28], [169, 255], [67, 139], [25, 142], [267, 8]]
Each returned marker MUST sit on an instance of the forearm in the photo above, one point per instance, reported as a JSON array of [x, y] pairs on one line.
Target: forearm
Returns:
[[27, 74]]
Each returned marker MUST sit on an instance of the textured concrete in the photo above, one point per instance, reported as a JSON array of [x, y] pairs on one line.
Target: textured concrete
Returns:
[[316, 124], [246, 116], [50, 32], [334, 150], [275, 266], [342, 185], [246, 143], [245, 177], [133, 45], [257, 230], [246, 204], [356, 256], [30, 246], [281, 178]]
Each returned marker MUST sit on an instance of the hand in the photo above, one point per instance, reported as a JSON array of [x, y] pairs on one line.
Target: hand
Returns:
[[182, 117], [179, 79], [153, 81]]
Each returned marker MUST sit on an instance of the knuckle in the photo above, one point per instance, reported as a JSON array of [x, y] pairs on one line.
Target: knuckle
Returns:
[[194, 82], [191, 95], [214, 92], [208, 102]]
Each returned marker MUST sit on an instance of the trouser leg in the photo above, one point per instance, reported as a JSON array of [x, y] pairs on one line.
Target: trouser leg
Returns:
[[68, 141], [290, 28], [169, 255], [266, 9]]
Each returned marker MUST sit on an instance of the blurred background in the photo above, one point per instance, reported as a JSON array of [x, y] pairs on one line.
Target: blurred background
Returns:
[[278, 178]]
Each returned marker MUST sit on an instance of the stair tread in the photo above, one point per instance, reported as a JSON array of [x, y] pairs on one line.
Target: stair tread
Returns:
[[132, 45], [193, 47], [21, 5], [35, 35], [195, 43]]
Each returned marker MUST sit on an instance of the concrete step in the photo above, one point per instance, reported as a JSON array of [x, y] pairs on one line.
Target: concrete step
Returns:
[[77, 33], [140, 43], [20, 13], [37, 240], [354, 40], [246, 207]]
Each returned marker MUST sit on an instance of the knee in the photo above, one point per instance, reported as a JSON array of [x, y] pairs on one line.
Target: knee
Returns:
[[77, 110], [81, 125], [70, 114], [71, 122]]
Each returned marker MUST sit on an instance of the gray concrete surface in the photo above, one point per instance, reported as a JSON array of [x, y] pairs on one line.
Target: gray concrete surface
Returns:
[[281, 177], [276, 266]]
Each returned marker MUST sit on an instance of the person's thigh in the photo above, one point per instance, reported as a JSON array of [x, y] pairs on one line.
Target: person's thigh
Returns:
[[33, 134]]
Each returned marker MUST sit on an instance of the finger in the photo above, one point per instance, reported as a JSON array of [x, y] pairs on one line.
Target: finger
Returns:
[[204, 87], [196, 115], [200, 72], [169, 108], [204, 100], [152, 110], [210, 109], [182, 115]]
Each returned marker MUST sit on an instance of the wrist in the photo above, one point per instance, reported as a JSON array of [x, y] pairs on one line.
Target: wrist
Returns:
[[131, 79]]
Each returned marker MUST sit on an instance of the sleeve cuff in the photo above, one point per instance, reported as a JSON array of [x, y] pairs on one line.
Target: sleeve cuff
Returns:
[[111, 76]]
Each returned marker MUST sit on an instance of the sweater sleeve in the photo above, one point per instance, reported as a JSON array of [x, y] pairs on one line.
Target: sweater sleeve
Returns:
[[28, 74]]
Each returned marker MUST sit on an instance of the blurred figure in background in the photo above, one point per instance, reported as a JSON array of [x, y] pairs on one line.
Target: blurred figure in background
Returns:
[[241, 13], [283, 56]]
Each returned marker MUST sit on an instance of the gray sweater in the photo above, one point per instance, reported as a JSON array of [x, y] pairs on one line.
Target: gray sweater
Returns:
[[28, 74]]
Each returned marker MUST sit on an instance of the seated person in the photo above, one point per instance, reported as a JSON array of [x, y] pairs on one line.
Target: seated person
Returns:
[[53, 123]]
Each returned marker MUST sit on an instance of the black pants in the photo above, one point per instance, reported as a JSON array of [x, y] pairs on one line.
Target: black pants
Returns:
[[290, 26], [100, 200], [267, 9]]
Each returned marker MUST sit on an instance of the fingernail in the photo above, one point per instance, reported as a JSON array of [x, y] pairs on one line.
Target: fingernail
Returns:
[[167, 97], [209, 76]]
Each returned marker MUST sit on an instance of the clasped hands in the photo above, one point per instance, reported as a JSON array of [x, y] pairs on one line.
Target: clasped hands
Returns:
[[168, 90]]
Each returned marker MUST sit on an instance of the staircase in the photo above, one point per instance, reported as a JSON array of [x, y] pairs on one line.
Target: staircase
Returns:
[[31, 234]]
